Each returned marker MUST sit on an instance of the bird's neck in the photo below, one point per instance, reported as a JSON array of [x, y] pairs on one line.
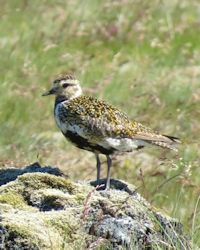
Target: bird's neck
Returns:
[[60, 98]]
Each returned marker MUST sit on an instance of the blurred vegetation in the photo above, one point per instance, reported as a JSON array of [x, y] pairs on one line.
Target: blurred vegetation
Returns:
[[142, 56]]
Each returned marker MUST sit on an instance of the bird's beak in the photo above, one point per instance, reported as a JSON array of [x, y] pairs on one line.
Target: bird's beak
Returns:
[[50, 92]]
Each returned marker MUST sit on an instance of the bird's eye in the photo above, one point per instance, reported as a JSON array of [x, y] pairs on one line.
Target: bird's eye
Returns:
[[65, 85]]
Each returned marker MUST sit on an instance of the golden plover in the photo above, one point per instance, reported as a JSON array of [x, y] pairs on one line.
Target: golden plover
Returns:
[[96, 126]]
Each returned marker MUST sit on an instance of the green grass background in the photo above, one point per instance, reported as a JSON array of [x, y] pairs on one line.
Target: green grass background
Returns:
[[142, 56]]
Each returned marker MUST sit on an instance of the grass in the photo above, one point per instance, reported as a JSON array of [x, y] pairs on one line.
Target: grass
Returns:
[[142, 56]]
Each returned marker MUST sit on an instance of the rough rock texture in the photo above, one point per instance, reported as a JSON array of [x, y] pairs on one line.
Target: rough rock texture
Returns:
[[44, 210]]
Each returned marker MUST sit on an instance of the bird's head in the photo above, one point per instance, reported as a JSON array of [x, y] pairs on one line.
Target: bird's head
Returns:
[[65, 85]]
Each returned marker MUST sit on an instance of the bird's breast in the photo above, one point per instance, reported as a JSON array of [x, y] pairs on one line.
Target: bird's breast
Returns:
[[66, 122], [60, 119]]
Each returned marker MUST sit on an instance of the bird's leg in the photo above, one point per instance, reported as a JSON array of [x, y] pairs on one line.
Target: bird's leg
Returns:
[[98, 168], [109, 162]]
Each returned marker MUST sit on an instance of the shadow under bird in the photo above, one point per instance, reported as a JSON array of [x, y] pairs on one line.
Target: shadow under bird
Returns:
[[96, 126]]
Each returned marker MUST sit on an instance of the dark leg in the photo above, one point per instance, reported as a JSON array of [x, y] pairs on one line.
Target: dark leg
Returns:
[[98, 168], [109, 162]]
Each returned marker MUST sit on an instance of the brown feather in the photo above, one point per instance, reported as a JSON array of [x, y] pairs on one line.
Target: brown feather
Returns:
[[164, 141]]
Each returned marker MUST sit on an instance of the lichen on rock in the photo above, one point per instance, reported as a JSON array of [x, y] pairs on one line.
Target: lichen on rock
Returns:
[[41, 210]]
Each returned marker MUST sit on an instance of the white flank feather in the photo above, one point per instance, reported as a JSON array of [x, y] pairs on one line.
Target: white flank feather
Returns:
[[122, 144]]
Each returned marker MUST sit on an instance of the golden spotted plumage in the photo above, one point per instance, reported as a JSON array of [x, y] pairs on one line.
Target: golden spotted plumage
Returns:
[[94, 125], [101, 118]]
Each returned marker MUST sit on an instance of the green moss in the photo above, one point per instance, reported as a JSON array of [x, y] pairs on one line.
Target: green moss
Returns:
[[80, 198], [20, 230], [64, 224], [53, 191], [53, 201], [20, 237], [41, 180], [69, 229], [13, 198]]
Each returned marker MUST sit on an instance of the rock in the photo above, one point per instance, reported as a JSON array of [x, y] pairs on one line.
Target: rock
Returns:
[[10, 174], [42, 209]]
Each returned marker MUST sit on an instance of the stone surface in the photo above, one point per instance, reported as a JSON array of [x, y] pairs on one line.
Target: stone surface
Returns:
[[42, 209]]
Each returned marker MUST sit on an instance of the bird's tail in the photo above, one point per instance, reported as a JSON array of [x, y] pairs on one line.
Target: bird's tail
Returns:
[[164, 141], [169, 142]]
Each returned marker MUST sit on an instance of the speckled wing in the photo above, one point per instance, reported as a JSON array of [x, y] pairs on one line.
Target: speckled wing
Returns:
[[99, 119]]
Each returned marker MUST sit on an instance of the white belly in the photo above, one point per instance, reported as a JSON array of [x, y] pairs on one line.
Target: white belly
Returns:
[[123, 144]]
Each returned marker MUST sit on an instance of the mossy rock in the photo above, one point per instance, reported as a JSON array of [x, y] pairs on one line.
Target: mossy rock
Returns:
[[43, 211]]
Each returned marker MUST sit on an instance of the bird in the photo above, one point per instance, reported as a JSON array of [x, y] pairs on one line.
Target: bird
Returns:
[[94, 125]]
